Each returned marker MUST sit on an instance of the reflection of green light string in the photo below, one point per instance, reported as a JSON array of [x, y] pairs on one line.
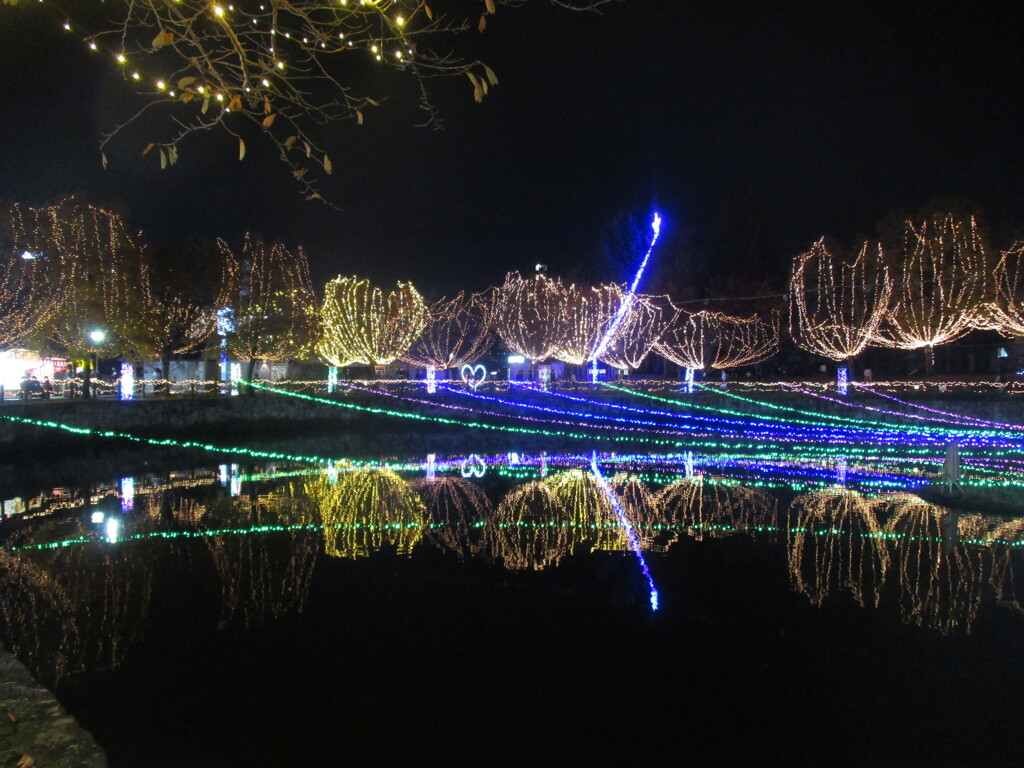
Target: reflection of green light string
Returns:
[[539, 524]]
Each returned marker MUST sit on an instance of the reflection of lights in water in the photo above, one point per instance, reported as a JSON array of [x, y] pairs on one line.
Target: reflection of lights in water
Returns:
[[431, 469], [627, 527], [97, 517], [127, 493], [835, 546], [456, 509], [113, 526]]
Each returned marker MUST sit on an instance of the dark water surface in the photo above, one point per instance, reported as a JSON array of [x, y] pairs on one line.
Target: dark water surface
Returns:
[[477, 610]]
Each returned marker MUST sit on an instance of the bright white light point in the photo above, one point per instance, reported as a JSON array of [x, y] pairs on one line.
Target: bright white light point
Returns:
[[378, 57], [170, 93], [201, 89], [161, 84], [97, 517], [398, 54], [220, 97], [266, 83], [92, 46], [28, 256], [373, 48], [120, 58], [400, 20], [136, 75], [341, 35], [656, 224], [280, 65], [67, 26], [97, 336], [112, 529], [218, 11]]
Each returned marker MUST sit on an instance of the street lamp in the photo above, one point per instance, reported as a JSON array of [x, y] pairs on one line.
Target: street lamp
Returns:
[[97, 336]]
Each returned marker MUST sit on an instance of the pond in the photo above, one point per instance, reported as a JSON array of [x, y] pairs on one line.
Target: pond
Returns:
[[519, 607]]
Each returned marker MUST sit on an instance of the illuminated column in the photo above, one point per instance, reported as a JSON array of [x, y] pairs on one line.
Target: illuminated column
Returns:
[[332, 378], [842, 379], [543, 465], [431, 467], [841, 471], [126, 382], [431, 380], [127, 494], [688, 461], [235, 372], [689, 381], [593, 371], [545, 377]]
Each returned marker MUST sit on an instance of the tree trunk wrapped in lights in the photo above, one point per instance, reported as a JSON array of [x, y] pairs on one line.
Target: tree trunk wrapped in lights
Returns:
[[704, 340], [837, 307], [941, 288], [272, 304], [645, 322], [1006, 312], [360, 324], [28, 297], [530, 315], [459, 331]]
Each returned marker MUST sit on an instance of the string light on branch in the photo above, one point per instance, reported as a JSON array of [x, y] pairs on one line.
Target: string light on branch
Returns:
[[837, 307], [459, 331], [362, 324], [941, 287], [531, 314], [1006, 313], [704, 340]]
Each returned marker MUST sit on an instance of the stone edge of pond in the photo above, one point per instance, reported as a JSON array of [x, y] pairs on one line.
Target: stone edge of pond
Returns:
[[34, 724]]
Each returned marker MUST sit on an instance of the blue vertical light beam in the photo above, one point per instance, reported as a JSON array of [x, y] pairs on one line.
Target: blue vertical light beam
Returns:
[[624, 307]]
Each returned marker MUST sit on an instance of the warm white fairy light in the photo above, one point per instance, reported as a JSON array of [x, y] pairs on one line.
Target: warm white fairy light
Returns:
[[458, 332], [704, 340], [941, 286], [362, 324], [1006, 312], [838, 306], [530, 314]]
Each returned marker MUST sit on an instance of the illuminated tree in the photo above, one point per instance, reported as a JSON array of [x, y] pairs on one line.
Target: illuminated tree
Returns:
[[836, 306], [641, 327], [27, 297], [1006, 313], [530, 314], [588, 316], [272, 304], [284, 69], [459, 331], [90, 247], [941, 287], [360, 324], [160, 310], [705, 339]]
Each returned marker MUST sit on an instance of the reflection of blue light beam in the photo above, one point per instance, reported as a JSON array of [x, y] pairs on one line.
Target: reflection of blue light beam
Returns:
[[628, 300], [634, 543]]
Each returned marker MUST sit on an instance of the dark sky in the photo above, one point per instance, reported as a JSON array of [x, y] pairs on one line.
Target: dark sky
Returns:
[[823, 116]]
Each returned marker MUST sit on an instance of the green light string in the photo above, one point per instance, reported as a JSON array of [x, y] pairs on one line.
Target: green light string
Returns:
[[538, 524], [456, 422], [858, 423]]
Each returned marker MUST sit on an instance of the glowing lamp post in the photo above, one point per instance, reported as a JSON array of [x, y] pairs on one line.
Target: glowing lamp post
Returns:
[[97, 336]]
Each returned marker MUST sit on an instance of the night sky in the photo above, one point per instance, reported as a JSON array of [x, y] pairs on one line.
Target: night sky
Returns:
[[812, 118]]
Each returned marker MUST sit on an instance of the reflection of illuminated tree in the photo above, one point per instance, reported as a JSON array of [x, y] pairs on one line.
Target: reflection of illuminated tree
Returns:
[[834, 547], [454, 507], [538, 524], [39, 619], [643, 512], [941, 581], [365, 511], [705, 508], [267, 574]]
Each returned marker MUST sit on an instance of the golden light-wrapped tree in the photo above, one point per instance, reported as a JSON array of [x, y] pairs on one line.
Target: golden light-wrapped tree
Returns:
[[272, 305], [459, 331], [362, 324], [941, 286], [284, 70], [588, 316], [837, 306], [29, 295], [530, 314], [705, 340], [641, 327], [1006, 312]]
